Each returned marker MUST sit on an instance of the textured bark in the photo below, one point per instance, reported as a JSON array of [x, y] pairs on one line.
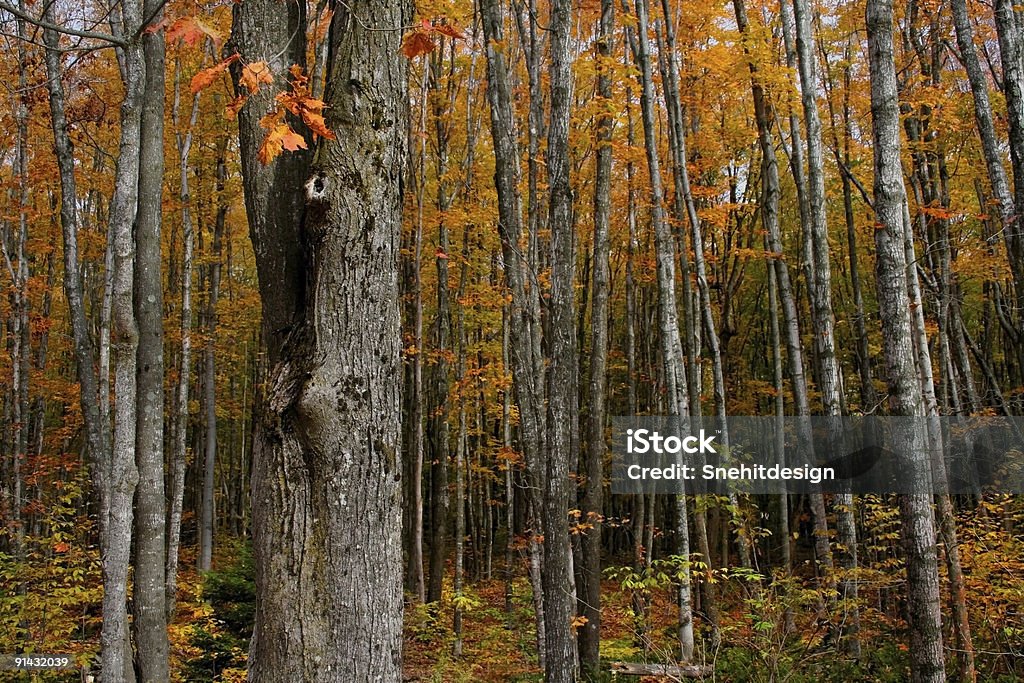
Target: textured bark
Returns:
[[460, 485], [905, 398], [1011, 53], [524, 314], [179, 452], [117, 511], [325, 489], [673, 361], [207, 513], [563, 394], [1013, 235], [149, 606], [796, 148], [829, 379], [669, 61], [592, 504]]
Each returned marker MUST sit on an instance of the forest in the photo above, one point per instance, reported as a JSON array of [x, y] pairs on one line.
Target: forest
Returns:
[[321, 320]]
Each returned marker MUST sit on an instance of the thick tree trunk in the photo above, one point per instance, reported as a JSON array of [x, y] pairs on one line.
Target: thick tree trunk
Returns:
[[326, 497], [926, 652], [150, 612]]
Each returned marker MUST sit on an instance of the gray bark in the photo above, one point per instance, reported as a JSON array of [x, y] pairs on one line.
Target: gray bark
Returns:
[[524, 313], [1013, 235], [207, 507], [829, 379], [673, 361], [325, 490], [563, 394], [592, 504], [179, 453], [905, 398], [149, 584], [1011, 53]]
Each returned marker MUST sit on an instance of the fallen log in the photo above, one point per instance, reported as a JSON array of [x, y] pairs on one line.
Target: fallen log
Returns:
[[670, 670]]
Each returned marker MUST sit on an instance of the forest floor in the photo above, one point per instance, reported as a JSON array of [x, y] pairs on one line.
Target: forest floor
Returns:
[[500, 645]]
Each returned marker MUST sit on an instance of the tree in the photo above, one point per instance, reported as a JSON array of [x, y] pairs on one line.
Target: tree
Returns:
[[592, 504], [325, 228], [150, 609], [671, 344], [905, 399]]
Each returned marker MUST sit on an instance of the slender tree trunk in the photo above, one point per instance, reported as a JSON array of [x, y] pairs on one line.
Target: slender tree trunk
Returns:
[[1011, 49], [149, 584], [207, 522], [524, 315], [460, 466], [829, 378], [590, 572], [326, 458], [673, 361], [1013, 233], [926, 652], [179, 454]]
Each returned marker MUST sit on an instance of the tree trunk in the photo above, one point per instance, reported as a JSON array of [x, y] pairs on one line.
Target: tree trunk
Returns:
[[1011, 49], [207, 521], [673, 361], [926, 652], [179, 454], [563, 364], [829, 379], [524, 313], [326, 497], [591, 509], [149, 606]]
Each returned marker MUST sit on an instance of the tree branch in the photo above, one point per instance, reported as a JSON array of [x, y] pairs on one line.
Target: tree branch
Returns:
[[36, 21]]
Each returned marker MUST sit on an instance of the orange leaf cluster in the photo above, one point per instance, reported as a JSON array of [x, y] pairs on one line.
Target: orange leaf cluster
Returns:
[[301, 103], [253, 74], [281, 137], [190, 30], [206, 77], [420, 40]]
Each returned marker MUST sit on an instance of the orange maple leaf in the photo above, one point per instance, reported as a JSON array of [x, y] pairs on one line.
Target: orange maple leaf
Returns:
[[254, 74], [280, 138], [234, 106], [417, 43], [191, 31], [206, 77]]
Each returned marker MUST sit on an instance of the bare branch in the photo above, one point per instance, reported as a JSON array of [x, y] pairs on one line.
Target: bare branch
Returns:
[[36, 21]]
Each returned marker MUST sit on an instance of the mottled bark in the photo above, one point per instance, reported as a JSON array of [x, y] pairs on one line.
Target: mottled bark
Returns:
[[563, 394], [918, 526], [592, 505], [207, 507], [673, 360], [524, 309], [149, 606], [325, 483]]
